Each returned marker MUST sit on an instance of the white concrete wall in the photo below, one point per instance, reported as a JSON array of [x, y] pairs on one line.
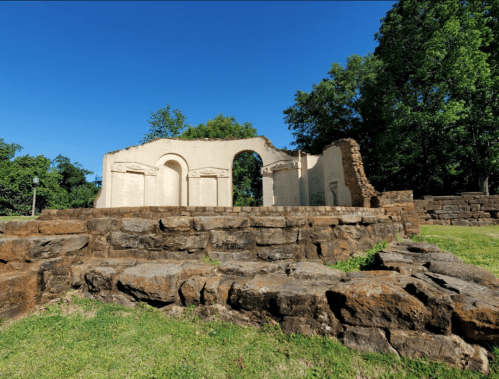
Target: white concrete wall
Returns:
[[333, 173], [172, 172]]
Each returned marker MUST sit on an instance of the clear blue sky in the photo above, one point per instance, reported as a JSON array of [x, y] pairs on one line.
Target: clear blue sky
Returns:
[[80, 78]]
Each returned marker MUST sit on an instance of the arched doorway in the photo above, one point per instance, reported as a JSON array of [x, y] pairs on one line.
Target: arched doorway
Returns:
[[247, 187], [171, 182]]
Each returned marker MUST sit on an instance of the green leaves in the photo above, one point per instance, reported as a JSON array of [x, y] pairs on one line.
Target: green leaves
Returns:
[[165, 125], [425, 103], [62, 184]]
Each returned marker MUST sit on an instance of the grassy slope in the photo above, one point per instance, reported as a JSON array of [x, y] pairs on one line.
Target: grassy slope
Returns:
[[88, 339], [474, 245], [96, 340]]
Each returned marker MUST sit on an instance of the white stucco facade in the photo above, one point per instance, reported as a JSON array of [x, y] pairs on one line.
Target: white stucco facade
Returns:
[[175, 172]]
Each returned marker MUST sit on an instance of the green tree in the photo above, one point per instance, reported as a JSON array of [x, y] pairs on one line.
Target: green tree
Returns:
[[165, 125], [439, 83], [16, 180], [61, 184], [246, 170], [423, 107]]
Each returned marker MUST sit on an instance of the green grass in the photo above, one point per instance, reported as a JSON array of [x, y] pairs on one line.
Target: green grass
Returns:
[[23, 218], [361, 261], [209, 260], [478, 246], [89, 339]]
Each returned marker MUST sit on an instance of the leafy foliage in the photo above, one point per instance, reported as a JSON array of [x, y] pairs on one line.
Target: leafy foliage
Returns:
[[164, 124], [423, 107], [62, 184]]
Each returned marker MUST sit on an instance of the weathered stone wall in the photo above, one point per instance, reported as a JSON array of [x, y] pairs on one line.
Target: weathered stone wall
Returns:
[[41, 252], [360, 188], [399, 206], [469, 208], [160, 212]]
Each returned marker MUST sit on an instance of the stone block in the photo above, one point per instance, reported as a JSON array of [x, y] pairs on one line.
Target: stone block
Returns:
[[138, 225], [275, 236], [275, 253], [248, 269], [62, 227], [18, 294], [269, 222], [153, 282], [350, 219], [121, 240], [100, 279], [369, 219], [190, 291], [367, 339], [466, 272], [102, 225], [20, 228], [449, 349], [219, 222], [14, 249], [324, 221], [296, 221], [176, 223], [313, 271], [239, 239], [55, 246], [190, 242], [460, 222]]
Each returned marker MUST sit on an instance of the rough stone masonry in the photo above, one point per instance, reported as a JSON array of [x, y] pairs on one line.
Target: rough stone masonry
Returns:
[[248, 265]]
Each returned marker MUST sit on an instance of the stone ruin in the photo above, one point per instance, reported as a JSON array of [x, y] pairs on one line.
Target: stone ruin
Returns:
[[178, 172], [249, 265]]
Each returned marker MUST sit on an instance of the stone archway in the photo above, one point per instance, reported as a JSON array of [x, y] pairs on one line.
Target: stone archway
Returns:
[[171, 181]]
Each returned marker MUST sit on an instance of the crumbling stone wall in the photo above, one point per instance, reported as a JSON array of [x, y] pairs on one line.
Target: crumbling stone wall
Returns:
[[400, 207], [356, 180], [468, 208], [37, 256]]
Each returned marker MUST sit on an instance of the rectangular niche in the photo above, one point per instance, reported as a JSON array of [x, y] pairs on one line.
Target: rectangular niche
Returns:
[[134, 189], [208, 191]]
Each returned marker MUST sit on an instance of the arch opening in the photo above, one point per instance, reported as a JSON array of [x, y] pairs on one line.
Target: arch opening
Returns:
[[247, 189], [172, 188], [171, 181]]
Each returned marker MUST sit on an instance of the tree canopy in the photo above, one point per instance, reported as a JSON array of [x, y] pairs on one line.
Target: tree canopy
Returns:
[[164, 124], [423, 107], [61, 183]]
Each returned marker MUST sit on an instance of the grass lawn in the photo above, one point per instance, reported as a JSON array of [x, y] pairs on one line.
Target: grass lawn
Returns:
[[81, 338], [88, 339], [478, 246]]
